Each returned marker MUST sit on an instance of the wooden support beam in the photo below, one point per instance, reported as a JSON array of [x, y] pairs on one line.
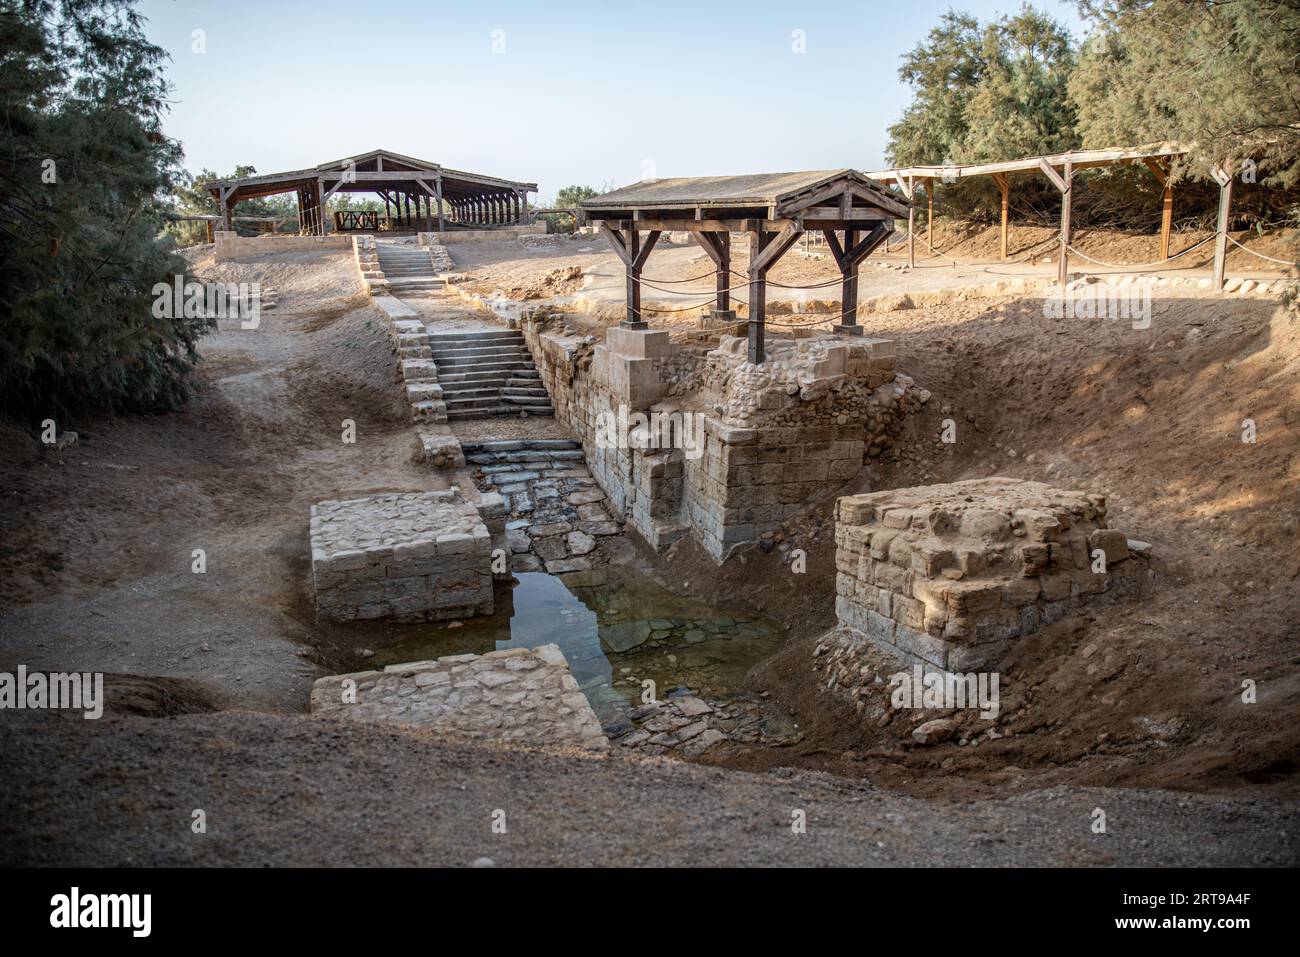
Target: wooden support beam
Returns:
[[718, 247], [777, 247], [1053, 175], [848, 281], [632, 243], [616, 241], [758, 241], [1063, 267], [929, 213], [1003, 182], [437, 183], [911, 227], [849, 258], [643, 253], [1161, 173], [1222, 176], [323, 226]]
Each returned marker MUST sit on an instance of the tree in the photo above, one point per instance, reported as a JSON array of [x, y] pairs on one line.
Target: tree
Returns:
[[569, 197], [986, 92], [1223, 77], [85, 174]]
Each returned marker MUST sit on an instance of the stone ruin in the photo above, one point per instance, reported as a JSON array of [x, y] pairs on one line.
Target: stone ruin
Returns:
[[413, 556], [516, 695], [948, 576], [775, 434]]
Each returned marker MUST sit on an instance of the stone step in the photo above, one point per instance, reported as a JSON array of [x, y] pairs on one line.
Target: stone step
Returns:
[[505, 361], [500, 410], [452, 391], [499, 376], [476, 348], [522, 445], [526, 400], [481, 336], [452, 370], [488, 400], [516, 390], [410, 282]]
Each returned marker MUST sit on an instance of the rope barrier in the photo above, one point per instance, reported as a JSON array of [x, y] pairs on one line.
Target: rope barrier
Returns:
[[1157, 262], [1280, 262]]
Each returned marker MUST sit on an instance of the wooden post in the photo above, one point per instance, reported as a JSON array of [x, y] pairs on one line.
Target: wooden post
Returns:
[[1224, 178], [1166, 217], [722, 279], [911, 225], [320, 199], [437, 185], [849, 282], [632, 243], [757, 298], [929, 216], [1063, 267], [1004, 187]]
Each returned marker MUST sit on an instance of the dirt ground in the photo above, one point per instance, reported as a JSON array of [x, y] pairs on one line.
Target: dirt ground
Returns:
[[96, 567], [96, 552]]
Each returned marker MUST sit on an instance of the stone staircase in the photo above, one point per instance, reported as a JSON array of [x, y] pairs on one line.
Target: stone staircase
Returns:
[[487, 373], [408, 269]]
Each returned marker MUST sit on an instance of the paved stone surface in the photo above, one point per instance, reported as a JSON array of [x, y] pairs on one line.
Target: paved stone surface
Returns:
[[516, 695], [409, 555], [556, 511]]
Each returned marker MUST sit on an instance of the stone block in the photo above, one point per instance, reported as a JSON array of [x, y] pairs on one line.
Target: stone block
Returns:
[[415, 556]]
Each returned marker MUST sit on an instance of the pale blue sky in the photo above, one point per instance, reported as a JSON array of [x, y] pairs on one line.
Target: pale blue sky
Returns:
[[589, 93]]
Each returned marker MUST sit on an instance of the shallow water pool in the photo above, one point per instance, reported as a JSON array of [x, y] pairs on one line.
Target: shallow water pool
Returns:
[[617, 628]]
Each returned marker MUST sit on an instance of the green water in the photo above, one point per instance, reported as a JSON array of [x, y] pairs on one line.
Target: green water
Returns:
[[617, 628]]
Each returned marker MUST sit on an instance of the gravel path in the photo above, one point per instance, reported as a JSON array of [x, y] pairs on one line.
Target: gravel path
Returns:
[[280, 790]]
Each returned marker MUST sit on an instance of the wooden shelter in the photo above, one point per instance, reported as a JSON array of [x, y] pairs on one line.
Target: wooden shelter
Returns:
[[441, 197], [1059, 168], [773, 208]]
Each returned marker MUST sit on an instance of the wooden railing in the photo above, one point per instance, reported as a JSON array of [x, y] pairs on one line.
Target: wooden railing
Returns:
[[346, 219]]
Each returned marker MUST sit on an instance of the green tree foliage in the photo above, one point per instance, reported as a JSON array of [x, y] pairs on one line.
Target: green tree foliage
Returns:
[[190, 198], [1223, 77], [85, 173], [986, 92], [569, 197]]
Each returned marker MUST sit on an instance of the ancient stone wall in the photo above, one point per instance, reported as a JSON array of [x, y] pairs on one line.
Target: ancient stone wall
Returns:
[[948, 576], [229, 245], [771, 436]]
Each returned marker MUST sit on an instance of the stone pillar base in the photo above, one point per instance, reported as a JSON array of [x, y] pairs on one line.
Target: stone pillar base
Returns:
[[840, 329]]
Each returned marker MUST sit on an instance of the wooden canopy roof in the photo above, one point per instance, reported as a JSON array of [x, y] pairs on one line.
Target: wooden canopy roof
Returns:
[[367, 173], [819, 196], [1078, 159]]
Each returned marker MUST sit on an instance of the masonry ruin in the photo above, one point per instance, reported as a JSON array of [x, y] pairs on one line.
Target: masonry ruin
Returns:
[[948, 576], [772, 436], [413, 556], [516, 695]]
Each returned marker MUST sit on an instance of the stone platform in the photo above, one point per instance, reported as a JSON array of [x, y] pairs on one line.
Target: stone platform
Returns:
[[516, 695], [949, 575], [414, 556]]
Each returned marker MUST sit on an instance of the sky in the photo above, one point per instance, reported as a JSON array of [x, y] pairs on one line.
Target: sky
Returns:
[[556, 92]]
